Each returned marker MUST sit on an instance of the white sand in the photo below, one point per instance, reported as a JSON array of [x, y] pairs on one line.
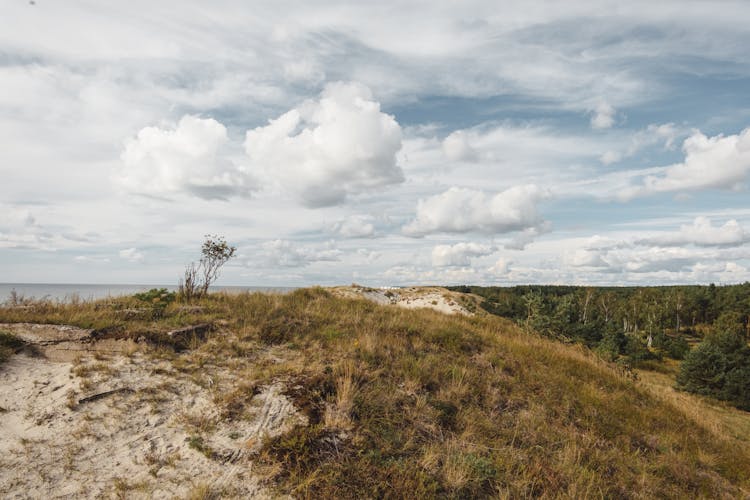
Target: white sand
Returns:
[[439, 299], [131, 444]]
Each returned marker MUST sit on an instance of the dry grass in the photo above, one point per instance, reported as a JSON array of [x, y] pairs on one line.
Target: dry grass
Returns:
[[722, 420], [338, 412], [412, 403]]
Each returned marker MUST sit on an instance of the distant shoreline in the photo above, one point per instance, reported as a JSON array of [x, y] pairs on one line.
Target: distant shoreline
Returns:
[[65, 292]]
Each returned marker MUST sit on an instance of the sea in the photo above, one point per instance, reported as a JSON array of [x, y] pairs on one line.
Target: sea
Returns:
[[67, 292]]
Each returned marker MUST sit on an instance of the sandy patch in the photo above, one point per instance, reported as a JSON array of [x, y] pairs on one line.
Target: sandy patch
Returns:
[[439, 299], [162, 433]]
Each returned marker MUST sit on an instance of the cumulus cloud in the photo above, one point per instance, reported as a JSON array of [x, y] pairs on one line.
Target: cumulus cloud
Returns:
[[284, 253], [701, 233], [184, 159], [132, 255], [461, 210], [456, 147], [528, 236], [603, 116], [692, 252], [660, 259], [459, 254], [327, 149], [501, 267], [719, 162], [585, 257], [409, 275], [355, 226]]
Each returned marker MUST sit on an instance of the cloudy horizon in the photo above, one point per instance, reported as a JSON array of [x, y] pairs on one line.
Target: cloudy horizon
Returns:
[[430, 143]]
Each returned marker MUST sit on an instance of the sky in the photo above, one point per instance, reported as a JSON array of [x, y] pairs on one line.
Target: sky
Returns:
[[383, 143]]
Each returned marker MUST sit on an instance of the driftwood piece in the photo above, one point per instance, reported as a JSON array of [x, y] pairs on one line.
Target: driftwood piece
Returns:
[[182, 333], [104, 394]]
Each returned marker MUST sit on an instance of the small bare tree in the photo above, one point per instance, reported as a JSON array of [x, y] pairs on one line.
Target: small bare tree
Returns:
[[215, 252]]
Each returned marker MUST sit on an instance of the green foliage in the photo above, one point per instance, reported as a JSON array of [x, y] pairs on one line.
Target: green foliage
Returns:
[[676, 347], [613, 321], [730, 322], [156, 295], [157, 299], [613, 343], [719, 367]]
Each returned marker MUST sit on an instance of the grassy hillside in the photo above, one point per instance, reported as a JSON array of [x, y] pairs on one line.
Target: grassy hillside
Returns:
[[413, 403]]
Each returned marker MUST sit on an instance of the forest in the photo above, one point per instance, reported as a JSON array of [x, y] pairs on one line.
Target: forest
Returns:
[[707, 328]]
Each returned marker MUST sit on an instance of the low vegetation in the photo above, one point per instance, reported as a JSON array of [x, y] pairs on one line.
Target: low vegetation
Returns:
[[413, 403]]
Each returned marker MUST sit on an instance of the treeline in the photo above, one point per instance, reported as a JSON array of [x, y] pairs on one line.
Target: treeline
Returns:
[[632, 325]]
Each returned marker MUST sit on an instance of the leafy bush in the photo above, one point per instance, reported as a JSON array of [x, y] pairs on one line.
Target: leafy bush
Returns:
[[157, 299]]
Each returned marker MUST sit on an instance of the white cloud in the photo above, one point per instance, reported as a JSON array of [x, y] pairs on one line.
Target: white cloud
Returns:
[[327, 149], [132, 255], [284, 253], [460, 210], [609, 157], [355, 226], [697, 251], [527, 236], [701, 233], [603, 116], [184, 159], [456, 147], [501, 267], [369, 256], [12, 217], [409, 275], [717, 162], [459, 254], [585, 257], [665, 134], [658, 259], [91, 259]]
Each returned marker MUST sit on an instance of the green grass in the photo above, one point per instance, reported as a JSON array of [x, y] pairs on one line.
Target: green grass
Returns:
[[413, 403]]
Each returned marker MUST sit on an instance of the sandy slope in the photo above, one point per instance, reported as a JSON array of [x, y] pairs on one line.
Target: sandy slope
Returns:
[[134, 443]]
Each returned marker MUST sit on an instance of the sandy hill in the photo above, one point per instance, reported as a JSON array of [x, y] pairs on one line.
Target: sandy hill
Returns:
[[328, 394]]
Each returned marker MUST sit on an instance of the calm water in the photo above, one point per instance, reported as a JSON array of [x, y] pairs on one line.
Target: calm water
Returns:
[[66, 292]]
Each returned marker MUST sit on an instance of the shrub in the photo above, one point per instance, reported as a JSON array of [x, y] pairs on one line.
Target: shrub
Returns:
[[719, 367], [215, 252], [157, 299]]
